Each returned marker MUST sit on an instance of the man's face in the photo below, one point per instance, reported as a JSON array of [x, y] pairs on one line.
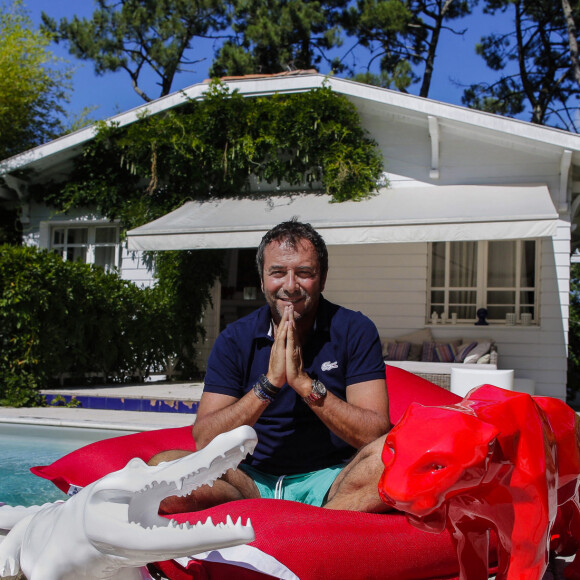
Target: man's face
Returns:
[[292, 276]]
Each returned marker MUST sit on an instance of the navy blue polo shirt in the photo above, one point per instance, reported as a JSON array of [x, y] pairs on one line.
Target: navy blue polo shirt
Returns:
[[343, 349]]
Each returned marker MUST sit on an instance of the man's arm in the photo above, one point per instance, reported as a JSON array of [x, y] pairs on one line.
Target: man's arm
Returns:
[[219, 413], [362, 418]]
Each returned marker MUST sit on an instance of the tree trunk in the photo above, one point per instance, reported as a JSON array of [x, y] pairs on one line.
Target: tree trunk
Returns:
[[572, 39], [432, 51]]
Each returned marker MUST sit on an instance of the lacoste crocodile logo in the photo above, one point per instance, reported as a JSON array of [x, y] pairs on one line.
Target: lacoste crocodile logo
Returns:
[[328, 366]]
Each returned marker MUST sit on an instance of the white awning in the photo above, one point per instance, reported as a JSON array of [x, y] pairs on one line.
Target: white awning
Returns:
[[406, 214]]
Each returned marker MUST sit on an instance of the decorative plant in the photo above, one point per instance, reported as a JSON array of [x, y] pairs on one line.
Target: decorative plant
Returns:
[[68, 319], [210, 149]]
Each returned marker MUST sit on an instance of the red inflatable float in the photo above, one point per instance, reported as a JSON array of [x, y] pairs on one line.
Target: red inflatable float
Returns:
[[292, 540]]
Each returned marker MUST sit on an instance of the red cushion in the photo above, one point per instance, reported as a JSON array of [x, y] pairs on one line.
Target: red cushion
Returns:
[[315, 543], [405, 388], [89, 463]]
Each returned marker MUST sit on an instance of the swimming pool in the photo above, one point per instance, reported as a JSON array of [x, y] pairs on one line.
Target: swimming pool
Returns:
[[23, 446]]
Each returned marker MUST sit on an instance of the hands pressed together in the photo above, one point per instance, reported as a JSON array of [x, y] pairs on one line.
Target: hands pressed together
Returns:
[[286, 357]]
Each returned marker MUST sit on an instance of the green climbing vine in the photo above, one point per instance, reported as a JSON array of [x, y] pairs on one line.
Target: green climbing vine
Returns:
[[211, 148]]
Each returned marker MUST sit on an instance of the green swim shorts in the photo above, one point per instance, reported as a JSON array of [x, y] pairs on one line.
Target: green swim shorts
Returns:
[[310, 488]]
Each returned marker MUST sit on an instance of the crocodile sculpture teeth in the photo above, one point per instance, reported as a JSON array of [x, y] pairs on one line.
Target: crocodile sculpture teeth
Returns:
[[111, 528]]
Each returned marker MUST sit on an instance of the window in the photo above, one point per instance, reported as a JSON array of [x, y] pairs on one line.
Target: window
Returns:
[[500, 276], [91, 244], [241, 293]]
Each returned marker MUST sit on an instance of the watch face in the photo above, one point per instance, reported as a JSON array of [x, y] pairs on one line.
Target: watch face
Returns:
[[319, 388]]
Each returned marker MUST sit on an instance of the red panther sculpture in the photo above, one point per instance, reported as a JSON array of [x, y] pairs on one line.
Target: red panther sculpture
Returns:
[[497, 460]]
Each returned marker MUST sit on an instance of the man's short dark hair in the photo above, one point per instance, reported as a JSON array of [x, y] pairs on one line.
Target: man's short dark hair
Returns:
[[292, 232]]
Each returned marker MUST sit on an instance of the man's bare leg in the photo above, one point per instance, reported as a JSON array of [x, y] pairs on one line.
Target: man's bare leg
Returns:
[[233, 485], [356, 487]]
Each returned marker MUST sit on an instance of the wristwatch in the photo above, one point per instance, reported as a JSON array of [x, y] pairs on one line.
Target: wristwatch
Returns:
[[318, 392]]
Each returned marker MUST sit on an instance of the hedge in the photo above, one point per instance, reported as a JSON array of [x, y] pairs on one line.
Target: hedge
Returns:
[[68, 320]]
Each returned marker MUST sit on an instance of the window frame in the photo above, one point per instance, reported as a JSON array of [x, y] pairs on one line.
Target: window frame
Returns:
[[91, 244], [482, 288]]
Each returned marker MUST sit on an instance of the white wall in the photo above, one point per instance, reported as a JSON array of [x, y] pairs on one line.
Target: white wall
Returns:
[[135, 268], [467, 155], [388, 283]]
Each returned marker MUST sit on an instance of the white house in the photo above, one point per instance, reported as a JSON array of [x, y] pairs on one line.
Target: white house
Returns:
[[479, 212]]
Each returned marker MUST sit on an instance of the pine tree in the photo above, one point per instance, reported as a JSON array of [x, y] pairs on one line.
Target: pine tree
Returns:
[[534, 62], [34, 84], [139, 35]]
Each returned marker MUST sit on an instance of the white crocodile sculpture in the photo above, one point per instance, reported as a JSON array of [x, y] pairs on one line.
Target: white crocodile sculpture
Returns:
[[111, 528]]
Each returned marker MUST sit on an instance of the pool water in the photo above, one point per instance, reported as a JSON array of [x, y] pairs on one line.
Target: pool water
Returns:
[[24, 446]]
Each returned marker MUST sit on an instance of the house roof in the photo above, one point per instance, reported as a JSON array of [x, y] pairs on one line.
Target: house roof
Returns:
[[56, 155]]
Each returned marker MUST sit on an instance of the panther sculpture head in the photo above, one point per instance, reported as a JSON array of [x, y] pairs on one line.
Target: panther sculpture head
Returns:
[[440, 452]]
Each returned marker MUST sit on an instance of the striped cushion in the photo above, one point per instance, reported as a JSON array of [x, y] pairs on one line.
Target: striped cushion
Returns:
[[398, 350], [428, 352], [445, 352]]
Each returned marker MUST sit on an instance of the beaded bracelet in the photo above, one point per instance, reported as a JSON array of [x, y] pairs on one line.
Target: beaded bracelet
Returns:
[[261, 394], [265, 390], [268, 387]]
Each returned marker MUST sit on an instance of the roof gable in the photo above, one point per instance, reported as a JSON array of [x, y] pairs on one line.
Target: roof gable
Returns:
[[373, 100]]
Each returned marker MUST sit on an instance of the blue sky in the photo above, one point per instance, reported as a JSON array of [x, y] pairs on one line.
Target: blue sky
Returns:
[[112, 93]]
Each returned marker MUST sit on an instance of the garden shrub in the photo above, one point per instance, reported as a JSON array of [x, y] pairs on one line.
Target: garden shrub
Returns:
[[69, 319]]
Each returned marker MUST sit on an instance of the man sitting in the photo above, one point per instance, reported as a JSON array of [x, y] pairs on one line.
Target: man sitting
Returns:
[[309, 376]]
